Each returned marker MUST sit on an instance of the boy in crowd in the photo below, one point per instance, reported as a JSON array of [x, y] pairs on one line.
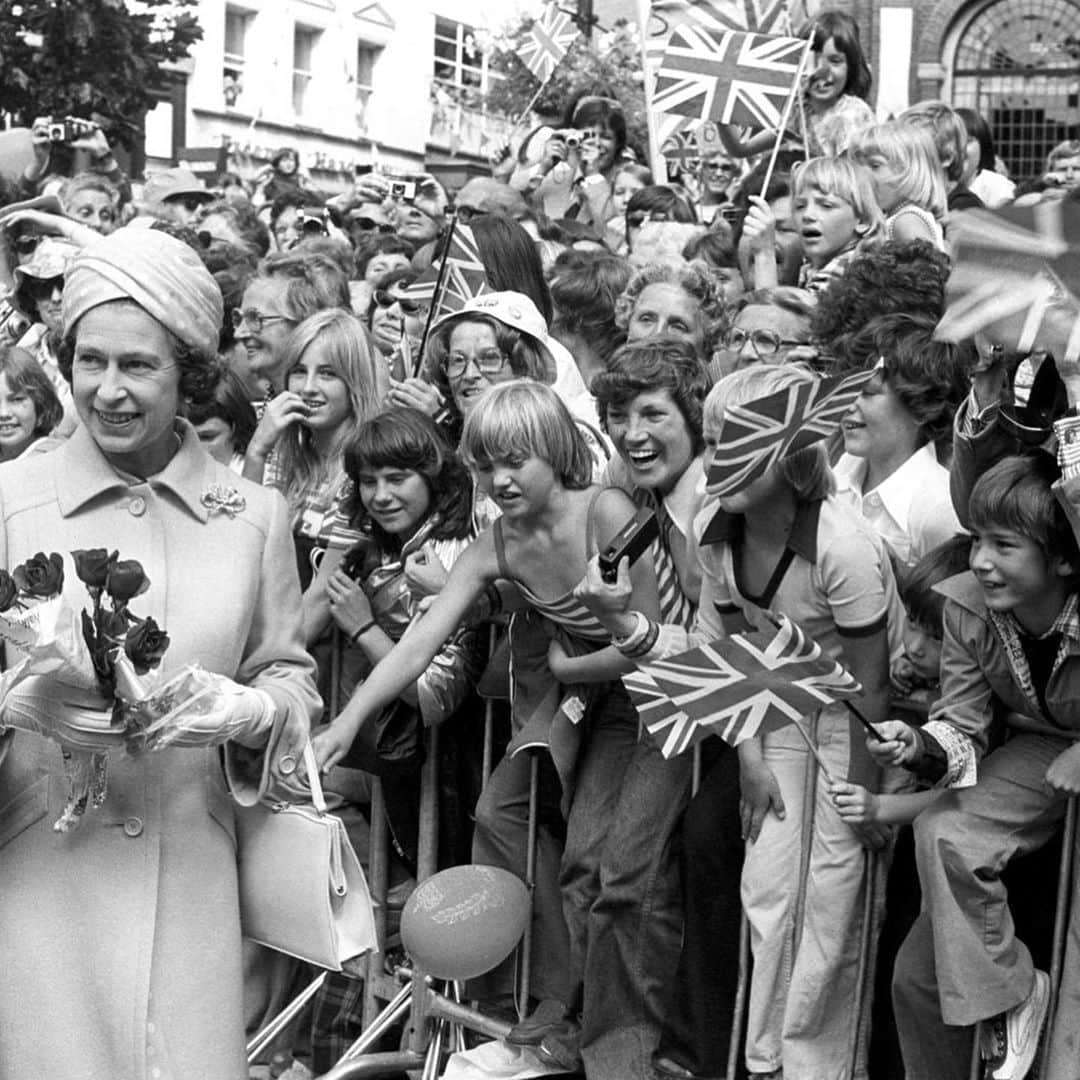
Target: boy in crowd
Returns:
[[1011, 643]]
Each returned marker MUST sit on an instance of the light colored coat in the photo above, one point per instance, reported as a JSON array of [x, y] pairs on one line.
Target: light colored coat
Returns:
[[120, 954]]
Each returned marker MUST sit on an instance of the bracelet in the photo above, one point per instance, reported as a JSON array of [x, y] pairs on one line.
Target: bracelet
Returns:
[[355, 636]]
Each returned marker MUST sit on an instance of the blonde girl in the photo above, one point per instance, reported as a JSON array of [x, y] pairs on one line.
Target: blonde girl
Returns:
[[909, 182], [334, 381]]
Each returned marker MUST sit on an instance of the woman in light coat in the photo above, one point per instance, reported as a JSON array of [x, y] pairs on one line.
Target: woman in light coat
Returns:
[[120, 940]]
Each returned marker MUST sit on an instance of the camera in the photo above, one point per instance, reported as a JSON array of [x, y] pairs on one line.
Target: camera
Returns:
[[571, 136], [628, 543], [403, 189], [311, 222], [69, 129]]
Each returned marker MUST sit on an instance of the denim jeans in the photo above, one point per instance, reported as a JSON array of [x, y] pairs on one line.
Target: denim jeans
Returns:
[[697, 1032], [621, 890]]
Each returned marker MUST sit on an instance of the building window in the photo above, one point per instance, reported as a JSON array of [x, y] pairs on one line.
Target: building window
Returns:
[[237, 22], [305, 42], [1016, 63], [460, 65], [367, 56]]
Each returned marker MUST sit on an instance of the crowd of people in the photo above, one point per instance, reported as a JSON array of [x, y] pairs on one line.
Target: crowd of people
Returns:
[[346, 491]]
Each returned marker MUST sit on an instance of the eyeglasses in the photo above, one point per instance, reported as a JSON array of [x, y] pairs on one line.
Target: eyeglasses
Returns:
[[388, 299], [255, 319], [488, 363], [764, 342]]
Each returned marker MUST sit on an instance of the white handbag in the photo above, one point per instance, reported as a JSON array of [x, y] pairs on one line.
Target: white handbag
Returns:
[[302, 889]]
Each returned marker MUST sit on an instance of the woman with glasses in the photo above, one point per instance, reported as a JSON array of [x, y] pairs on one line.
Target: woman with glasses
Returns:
[[289, 287], [768, 325]]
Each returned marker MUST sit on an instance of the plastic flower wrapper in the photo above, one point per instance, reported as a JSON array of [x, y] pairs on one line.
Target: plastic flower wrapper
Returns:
[[194, 708], [66, 678]]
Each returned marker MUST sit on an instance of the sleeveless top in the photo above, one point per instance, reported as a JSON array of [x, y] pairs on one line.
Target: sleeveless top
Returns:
[[565, 611]]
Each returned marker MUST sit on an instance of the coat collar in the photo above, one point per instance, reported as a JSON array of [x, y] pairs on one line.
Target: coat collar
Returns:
[[83, 473], [725, 527]]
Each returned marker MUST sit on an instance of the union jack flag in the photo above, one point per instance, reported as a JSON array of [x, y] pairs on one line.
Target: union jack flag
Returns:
[[1017, 270], [463, 277], [728, 76], [753, 437], [682, 148], [547, 42], [739, 687]]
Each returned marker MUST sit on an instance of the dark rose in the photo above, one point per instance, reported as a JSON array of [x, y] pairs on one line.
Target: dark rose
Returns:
[[42, 575], [126, 580], [9, 591], [145, 645], [92, 566]]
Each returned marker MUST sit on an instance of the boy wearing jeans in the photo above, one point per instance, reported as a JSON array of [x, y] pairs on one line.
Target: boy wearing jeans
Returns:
[[1012, 640]]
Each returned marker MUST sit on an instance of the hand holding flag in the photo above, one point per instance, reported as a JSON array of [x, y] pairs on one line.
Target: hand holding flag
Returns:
[[736, 688]]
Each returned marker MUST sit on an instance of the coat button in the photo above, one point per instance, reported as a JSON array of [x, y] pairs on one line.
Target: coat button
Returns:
[[133, 826], [137, 506], [287, 765]]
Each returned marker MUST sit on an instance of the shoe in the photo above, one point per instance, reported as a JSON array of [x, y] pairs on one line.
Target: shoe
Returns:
[[1011, 1039], [542, 1020], [668, 1069], [561, 1046]]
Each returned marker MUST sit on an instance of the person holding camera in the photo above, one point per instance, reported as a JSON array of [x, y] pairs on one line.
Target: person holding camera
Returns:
[[66, 146], [418, 209], [572, 177]]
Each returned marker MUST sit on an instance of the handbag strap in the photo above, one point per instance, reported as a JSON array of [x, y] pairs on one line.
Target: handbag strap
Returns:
[[318, 800]]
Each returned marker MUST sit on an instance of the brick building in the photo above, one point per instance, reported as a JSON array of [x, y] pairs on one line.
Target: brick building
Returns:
[[1017, 62]]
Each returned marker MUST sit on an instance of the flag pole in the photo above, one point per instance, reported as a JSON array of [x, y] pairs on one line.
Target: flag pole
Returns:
[[813, 750], [526, 111], [788, 105], [440, 284], [656, 160]]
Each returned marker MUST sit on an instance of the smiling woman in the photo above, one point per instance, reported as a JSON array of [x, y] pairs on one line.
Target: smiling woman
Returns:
[[145, 916]]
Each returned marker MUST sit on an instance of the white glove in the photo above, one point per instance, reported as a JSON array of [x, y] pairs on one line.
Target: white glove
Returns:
[[200, 708], [76, 718]]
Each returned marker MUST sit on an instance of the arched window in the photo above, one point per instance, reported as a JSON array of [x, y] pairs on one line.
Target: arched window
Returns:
[[1017, 62]]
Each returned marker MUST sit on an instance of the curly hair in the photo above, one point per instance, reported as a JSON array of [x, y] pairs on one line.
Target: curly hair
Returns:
[[404, 438], [928, 376], [657, 363], [691, 279], [896, 276], [243, 220], [199, 371]]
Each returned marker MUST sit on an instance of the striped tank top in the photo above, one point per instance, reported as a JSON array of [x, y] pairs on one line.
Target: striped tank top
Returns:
[[565, 611]]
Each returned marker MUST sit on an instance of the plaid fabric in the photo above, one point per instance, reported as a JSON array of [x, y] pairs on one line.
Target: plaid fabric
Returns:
[[337, 1020]]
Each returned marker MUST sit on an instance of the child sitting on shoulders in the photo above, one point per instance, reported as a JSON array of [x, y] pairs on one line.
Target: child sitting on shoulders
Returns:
[[1011, 640]]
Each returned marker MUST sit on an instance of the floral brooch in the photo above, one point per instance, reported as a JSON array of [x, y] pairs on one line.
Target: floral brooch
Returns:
[[227, 500]]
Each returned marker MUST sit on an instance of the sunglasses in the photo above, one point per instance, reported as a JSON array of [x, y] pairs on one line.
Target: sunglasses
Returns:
[[387, 300], [638, 218], [43, 288], [27, 243], [371, 225]]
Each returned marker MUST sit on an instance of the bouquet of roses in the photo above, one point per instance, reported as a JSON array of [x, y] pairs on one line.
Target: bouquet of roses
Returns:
[[72, 660]]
